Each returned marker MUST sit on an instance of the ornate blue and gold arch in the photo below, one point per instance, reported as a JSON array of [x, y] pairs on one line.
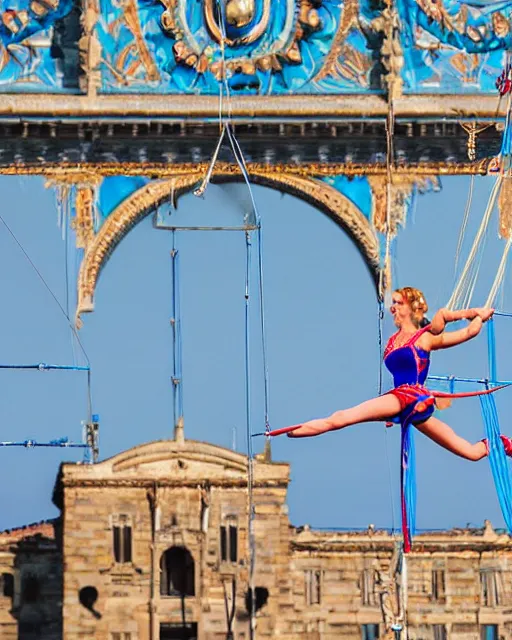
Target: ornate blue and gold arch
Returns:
[[352, 105]]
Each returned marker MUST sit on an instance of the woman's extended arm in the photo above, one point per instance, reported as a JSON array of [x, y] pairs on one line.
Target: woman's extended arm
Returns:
[[440, 339]]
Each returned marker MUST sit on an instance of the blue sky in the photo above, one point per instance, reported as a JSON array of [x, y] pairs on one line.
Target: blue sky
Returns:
[[321, 316]]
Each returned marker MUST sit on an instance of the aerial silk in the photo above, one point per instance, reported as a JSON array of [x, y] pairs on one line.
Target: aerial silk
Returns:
[[497, 458], [409, 365]]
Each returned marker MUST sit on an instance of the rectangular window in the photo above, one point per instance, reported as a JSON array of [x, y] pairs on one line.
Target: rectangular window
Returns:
[[229, 543], [490, 632], [120, 635], [368, 594], [7, 585], [313, 586], [440, 632], [370, 631], [122, 540], [127, 544], [438, 585], [490, 588], [233, 543], [223, 544]]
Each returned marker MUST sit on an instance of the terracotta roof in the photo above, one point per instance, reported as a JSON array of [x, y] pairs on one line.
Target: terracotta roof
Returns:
[[44, 528]]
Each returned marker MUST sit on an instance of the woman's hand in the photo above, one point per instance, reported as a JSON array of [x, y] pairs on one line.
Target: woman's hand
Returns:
[[484, 314], [442, 340]]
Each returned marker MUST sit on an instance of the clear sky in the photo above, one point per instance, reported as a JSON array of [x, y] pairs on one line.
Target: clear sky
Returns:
[[322, 352]]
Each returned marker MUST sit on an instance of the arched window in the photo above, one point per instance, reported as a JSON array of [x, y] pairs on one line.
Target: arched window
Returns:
[[30, 588], [7, 585], [177, 572]]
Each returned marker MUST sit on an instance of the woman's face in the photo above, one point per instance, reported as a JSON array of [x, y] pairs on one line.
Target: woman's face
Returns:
[[400, 310]]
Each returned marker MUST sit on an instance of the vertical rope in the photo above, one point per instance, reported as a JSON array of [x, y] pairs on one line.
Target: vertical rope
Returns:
[[462, 294], [250, 458], [226, 129], [381, 345], [390, 124], [177, 379], [498, 280], [491, 350], [380, 386], [89, 395], [465, 219], [263, 330], [405, 595]]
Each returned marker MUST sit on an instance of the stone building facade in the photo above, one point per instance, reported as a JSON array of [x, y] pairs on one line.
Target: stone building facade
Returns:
[[152, 544]]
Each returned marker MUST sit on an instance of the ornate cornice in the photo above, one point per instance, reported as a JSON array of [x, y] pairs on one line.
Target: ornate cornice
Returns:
[[254, 107], [146, 483], [73, 172]]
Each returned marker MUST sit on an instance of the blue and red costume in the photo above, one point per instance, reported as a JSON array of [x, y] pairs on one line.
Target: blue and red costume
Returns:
[[409, 365]]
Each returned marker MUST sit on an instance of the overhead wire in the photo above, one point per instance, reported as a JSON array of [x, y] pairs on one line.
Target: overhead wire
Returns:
[[250, 453], [29, 444], [177, 375], [46, 285], [43, 366], [225, 129]]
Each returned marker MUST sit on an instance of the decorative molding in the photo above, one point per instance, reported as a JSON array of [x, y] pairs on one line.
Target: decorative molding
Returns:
[[145, 483], [401, 190], [253, 107], [388, 23], [116, 226], [237, 15], [82, 185], [83, 221], [349, 20], [89, 50], [505, 208], [76, 173], [188, 456], [145, 200], [131, 16]]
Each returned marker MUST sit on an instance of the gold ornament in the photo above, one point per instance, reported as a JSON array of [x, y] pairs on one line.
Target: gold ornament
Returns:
[[240, 13]]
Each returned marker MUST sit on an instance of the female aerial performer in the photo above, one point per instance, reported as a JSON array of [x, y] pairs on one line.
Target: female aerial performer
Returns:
[[407, 356]]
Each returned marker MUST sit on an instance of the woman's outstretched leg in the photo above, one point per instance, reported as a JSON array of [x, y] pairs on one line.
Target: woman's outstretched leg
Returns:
[[375, 410], [445, 436]]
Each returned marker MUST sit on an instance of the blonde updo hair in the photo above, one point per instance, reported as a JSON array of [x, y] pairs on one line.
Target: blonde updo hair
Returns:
[[416, 300]]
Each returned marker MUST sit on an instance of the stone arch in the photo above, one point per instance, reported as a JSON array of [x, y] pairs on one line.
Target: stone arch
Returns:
[[177, 572], [146, 199]]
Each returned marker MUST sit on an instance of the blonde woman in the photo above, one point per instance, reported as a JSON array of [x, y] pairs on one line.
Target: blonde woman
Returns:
[[407, 356]]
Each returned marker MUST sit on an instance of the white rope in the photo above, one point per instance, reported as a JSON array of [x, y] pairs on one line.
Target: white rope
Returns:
[[199, 192], [499, 275], [464, 222], [463, 292]]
